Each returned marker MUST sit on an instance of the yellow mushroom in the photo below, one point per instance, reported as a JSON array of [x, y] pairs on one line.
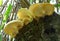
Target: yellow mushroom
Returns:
[[37, 10], [41, 9], [25, 15], [12, 27], [48, 8]]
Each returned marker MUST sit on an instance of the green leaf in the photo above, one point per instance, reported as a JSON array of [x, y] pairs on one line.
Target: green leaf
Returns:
[[0, 37], [1, 1], [31, 1], [48, 1], [57, 5], [6, 15]]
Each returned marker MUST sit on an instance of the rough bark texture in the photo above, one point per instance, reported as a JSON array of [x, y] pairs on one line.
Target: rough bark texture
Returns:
[[45, 29]]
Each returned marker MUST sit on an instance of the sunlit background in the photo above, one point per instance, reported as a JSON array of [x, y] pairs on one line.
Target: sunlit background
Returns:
[[37, 1]]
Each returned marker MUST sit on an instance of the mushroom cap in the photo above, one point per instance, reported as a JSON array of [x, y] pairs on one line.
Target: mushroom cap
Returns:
[[48, 8], [12, 27], [25, 15], [41, 9], [37, 10]]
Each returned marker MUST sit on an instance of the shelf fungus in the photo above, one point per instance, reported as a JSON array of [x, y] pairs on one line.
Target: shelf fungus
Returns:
[[25, 15], [42, 9], [12, 27]]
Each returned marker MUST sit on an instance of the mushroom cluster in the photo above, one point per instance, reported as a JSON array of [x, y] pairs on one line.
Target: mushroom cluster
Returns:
[[29, 21]]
